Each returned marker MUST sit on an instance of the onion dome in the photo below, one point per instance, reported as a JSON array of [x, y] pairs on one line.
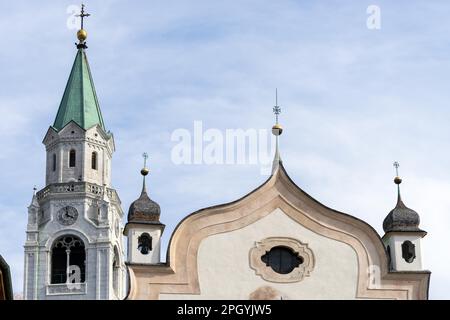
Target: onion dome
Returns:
[[401, 218], [144, 209]]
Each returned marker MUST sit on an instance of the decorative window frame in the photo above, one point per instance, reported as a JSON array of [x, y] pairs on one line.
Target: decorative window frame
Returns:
[[48, 252], [267, 273]]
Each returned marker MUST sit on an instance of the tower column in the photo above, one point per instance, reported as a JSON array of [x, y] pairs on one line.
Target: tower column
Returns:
[[68, 265], [61, 165], [83, 161]]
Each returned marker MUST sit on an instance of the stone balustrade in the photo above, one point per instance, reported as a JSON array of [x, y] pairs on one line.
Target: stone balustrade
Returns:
[[77, 187], [66, 288]]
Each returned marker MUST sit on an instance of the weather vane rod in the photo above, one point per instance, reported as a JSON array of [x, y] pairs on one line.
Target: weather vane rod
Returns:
[[276, 108]]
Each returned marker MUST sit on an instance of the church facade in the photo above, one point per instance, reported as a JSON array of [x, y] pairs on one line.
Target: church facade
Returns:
[[277, 242]]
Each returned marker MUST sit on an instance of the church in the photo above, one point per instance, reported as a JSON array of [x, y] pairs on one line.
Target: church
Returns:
[[276, 242]]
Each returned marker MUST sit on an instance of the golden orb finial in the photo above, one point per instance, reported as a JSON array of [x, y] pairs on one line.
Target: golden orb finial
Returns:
[[277, 130], [82, 35], [145, 171], [397, 180]]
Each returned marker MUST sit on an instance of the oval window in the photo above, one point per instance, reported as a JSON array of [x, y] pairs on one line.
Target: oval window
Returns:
[[282, 259]]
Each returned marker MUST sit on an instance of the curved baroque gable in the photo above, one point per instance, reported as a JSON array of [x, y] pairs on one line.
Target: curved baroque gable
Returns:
[[180, 275]]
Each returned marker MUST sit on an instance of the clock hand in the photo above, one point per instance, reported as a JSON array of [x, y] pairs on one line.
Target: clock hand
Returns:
[[67, 214]]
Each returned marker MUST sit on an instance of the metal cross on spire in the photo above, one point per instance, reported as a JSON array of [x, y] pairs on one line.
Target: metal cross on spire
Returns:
[[396, 165], [145, 156], [397, 179], [276, 108], [277, 130], [82, 15]]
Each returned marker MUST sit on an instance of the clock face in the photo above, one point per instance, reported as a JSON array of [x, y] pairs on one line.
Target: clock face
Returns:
[[67, 216]]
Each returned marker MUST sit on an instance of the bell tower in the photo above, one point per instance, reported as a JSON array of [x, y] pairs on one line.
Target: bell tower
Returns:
[[402, 236], [73, 247], [143, 228]]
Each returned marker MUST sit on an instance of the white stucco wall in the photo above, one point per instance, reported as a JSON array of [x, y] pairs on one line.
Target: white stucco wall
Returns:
[[225, 273]]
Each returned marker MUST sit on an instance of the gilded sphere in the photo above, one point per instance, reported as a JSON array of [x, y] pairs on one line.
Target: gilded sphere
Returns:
[[398, 180], [82, 35], [277, 130], [145, 171]]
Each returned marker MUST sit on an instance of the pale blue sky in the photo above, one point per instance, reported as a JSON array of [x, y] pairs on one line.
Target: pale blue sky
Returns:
[[354, 100]]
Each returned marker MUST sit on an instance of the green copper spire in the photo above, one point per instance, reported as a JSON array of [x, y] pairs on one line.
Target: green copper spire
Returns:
[[79, 102]]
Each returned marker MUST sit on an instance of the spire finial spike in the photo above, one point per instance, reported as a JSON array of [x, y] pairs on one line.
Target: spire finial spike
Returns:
[[144, 171], [276, 108], [397, 180], [82, 34], [34, 200], [277, 130], [276, 96]]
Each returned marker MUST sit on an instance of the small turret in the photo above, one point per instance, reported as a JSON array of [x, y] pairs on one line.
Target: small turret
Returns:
[[33, 211], [402, 234], [143, 229]]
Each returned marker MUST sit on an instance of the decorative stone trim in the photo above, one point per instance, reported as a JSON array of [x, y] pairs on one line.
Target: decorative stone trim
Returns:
[[267, 273]]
